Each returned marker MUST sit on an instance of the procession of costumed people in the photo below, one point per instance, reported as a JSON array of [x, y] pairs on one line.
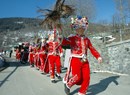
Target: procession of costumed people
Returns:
[[45, 55]]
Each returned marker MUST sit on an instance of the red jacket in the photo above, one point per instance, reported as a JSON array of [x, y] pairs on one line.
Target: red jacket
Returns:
[[79, 46], [54, 47], [43, 48]]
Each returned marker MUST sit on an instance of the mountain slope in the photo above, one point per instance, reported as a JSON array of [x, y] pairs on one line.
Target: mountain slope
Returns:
[[12, 24]]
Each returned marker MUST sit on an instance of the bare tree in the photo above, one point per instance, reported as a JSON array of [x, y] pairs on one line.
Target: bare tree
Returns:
[[122, 7], [123, 10], [115, 22]]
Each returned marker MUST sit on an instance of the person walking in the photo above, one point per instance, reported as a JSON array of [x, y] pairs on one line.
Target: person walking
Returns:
[[10, 54], [54, 53], [79, 65], [44, 68], [31, 54]]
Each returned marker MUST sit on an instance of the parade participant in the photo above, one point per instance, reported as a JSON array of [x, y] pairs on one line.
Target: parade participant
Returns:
[[43, 57], [54, 53], [36, 50], [31, 54], [52, 20], [24, 52], [79, 65], [18, 54], [37, 59]]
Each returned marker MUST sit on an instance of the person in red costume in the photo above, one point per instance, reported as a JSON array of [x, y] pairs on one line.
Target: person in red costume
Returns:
[[43, 57], [31, 54], [79, 65], [37, 63], [54, 53], [35, 58], [18, 54]]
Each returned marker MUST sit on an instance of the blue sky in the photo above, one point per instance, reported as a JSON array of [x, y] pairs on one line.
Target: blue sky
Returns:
[[105, 9], [27, 8]]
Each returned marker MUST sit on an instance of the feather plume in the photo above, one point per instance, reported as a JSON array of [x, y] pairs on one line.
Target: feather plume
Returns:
[[53, 17]]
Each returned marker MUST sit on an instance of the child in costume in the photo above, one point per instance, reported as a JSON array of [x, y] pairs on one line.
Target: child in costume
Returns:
[[44, 68], [79, 65], [54, 53], [31, 54]]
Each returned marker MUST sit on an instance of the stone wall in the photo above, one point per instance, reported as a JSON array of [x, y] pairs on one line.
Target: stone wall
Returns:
[[101, 48], [116, 57], [119, 57]]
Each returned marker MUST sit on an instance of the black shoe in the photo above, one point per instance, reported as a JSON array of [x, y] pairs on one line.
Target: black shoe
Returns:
[[43, 73], [53, 81], [67, 90], [59, 77], [56, 75]]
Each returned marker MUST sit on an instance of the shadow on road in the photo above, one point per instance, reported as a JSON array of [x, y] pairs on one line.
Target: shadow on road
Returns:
[[5, 79], [99, 87], [15, 64], [10, 63]]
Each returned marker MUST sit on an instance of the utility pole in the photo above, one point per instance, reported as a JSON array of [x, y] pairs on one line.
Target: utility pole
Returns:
[[121, 19], [120, 34]]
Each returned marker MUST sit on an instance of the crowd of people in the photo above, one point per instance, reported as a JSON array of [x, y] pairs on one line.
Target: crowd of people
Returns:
[[46, 53], [22, 52]]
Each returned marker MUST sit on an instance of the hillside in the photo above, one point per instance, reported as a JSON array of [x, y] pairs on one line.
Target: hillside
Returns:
[[17, 30], [13, 24]]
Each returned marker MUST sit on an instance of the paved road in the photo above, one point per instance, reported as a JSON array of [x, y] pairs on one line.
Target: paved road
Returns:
[[22, 80]]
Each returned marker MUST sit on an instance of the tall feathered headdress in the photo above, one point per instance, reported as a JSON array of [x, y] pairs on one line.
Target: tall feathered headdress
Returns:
[[79, 21], [53, 17]]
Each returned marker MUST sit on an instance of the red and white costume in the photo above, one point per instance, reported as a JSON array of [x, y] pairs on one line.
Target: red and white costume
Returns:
[[36, 57], [43, 59], [18, 54], [54, 52], [31, 54], [80, 70]]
